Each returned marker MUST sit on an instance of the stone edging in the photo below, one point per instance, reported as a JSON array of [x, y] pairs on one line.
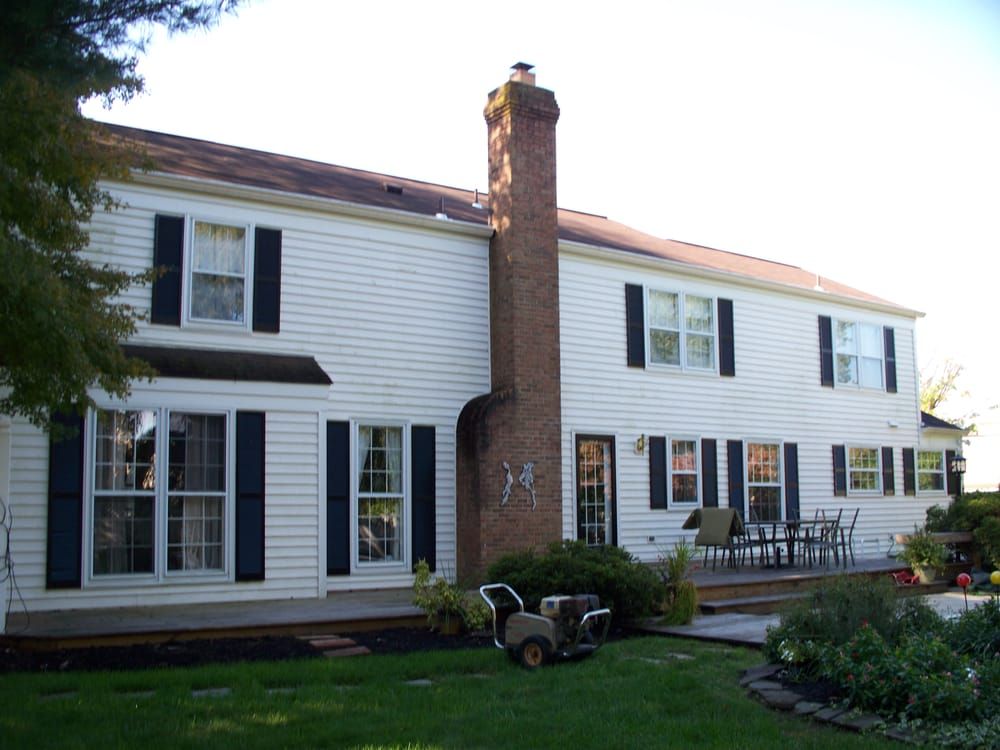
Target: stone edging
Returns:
[[758, 682]]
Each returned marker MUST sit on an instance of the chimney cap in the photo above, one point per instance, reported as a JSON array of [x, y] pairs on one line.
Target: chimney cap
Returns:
[[522, 73]]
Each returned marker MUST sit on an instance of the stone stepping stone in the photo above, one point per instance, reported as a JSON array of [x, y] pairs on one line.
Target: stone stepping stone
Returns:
[[280, 690], [133, 694], [63, 695], [330, 643], [858, 723], [353, 651], [759, 673], [419, 683], [217, 692], [785, 700], [807, 708]]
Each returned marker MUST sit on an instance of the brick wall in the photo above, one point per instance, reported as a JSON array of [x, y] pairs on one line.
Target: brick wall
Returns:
[[519, 421]]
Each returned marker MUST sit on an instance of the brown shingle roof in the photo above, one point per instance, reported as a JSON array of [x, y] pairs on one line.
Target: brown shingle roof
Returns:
[[190, 157]]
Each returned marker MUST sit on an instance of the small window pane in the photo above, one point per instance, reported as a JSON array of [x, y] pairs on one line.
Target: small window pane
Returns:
[[871, 341], [663, 311], [123, 535], [684, 455], [219, 248], [698, 314], [217, 297], [847, 369], [847, 337], [700, 351], [765, 504], [871, 372], [665, 347]]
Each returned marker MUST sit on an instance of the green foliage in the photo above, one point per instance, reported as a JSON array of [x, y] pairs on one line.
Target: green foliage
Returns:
[[921, 551], [977, 632], [680, 600], [972, 734], [60, 321], [920, 677], [624, 585], [978, 512], [476, 613], [835, 610], [437, 597]]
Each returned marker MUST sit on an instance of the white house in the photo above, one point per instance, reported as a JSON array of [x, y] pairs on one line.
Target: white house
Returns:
[[347, 360]]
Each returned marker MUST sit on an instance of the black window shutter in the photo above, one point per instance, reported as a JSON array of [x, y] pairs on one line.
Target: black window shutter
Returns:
[[727, 342], [709, 473], [168, 254], [657, 472], [267, 280], [909, 472], [952, 481], [737, 500], [635, 326], [888, 472], [839, 471], [64, 536], [249, 496], [423, 479], [791, 481], [890, 359], [338, 498], [826, 351]]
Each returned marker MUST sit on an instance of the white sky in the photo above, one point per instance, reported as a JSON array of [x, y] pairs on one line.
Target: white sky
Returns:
[[859, 139]]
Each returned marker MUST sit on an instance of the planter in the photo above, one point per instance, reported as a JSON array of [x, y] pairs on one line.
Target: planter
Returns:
[[448, 624], [926, 575]]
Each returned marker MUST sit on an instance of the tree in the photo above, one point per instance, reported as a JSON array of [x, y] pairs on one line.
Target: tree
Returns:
[[61, 323], [942, 384]]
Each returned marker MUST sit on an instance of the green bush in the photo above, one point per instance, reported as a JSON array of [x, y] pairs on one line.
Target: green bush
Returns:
[[921, 677], [680, 599], [977, 632], [978, 512], [835, 610], [626, 586]]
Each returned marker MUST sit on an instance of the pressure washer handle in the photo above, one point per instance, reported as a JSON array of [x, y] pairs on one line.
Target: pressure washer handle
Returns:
[[484, 591]]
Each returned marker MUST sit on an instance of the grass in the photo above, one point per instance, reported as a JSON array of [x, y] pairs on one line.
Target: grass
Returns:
[[643, 692]]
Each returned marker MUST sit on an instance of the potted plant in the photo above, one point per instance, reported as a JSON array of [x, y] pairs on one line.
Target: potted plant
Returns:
[[443, 601], [924, 555]]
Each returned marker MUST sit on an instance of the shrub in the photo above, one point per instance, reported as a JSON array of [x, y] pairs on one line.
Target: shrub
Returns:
[[977, 632], [978, 512], [680, 594], [439, 598], [919, 678], [623, 584], [921, 551], [835, 610]]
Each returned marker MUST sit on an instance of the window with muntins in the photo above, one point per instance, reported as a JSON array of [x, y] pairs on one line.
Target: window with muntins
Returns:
[[684, 472], [859, 354], [763, 467], [218, 280], [681, 330], [380, 494], [136, 496], [864, 470], [930, 471]]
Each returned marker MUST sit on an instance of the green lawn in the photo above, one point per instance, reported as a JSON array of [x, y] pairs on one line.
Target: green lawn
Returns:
[[638, 693]]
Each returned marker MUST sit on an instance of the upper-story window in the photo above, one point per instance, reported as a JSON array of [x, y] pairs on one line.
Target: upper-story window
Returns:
[[859, 354], [218, 281], [681, 330], [864, 470], [930, 471]]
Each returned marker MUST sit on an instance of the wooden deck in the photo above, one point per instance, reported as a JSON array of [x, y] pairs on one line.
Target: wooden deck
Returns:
[[721, 590]]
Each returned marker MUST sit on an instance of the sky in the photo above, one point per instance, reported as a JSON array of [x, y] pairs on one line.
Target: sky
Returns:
[[859, 139]]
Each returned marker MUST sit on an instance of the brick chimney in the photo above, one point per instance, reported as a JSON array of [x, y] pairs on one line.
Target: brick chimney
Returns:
[[519, 421]]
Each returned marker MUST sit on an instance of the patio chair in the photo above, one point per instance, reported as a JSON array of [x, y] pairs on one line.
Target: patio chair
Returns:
[[716, 529], [823, 539], [847, 539]]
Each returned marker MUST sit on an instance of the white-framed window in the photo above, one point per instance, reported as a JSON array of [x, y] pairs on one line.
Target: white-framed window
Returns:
[[218, 276], [864, 470], [859, 352], [682, 468], [381, 494], [930, 471], [764, 481], [159, 497], [681, 330]]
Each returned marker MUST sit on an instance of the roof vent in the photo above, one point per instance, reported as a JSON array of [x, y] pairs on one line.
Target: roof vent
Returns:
[[475, 201], [441, 214], [392, 189]]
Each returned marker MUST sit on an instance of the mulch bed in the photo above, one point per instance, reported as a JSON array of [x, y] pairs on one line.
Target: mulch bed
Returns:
[[227, 650]]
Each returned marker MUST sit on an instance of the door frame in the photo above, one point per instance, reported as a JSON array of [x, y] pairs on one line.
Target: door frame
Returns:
[[611, 526]]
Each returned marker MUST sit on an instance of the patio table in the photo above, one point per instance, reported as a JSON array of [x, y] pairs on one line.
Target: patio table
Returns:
[[789, 533]]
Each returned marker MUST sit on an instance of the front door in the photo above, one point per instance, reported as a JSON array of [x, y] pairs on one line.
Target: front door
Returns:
[[595, 489]]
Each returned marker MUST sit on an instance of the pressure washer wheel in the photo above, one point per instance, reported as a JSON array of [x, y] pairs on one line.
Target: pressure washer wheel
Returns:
[[534, 652]]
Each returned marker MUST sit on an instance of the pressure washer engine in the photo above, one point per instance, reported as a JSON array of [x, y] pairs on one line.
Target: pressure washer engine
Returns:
[[565, 627]]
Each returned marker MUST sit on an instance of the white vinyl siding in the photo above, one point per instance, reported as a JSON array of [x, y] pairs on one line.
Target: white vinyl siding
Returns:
[[776, 394]]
